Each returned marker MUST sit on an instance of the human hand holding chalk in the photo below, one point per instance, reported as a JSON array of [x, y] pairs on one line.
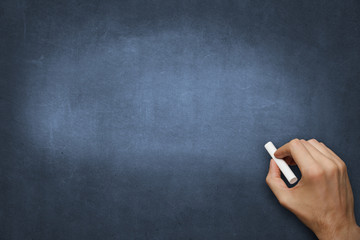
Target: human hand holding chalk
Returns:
[[285, 169], [323, 198]]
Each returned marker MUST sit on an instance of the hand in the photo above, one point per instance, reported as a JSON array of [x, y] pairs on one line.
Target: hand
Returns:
[[323, 199]]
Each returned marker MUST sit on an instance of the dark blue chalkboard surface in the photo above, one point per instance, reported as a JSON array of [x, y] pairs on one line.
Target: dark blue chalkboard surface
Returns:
[[147, 119]]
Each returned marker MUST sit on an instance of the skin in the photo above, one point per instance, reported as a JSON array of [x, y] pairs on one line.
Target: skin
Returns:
[[323, 199]]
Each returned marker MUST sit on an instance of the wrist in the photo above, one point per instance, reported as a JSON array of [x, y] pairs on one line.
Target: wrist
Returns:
[[346, 231]]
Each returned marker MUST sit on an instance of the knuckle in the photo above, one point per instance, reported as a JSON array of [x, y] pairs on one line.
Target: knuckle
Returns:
[[315, 173], [343, 167], [313, 140], [333, 169], [295, 142]]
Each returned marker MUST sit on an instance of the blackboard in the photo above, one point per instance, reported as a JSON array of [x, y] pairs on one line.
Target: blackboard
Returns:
[[147, 119]]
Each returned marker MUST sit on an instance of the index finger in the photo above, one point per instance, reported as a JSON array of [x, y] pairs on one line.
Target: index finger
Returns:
[[297, 151]]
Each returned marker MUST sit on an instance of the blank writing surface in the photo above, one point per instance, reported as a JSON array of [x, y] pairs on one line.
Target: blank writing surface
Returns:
[[148, 119]]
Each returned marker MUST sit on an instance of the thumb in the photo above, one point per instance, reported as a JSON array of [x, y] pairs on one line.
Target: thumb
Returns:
[[276, 184]]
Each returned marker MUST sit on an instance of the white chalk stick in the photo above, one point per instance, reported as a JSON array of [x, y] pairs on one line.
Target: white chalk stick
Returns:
[[284, 168]]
